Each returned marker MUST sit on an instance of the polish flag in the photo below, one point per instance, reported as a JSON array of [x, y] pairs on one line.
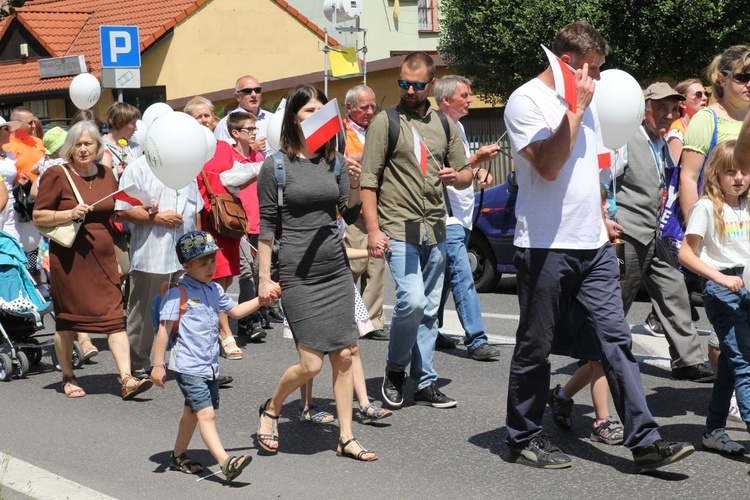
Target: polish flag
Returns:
[[322, 126], [130, 195], [605, 159], [420, 151], [565, 79]]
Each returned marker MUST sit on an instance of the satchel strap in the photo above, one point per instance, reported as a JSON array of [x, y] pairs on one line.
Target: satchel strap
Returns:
[[73, 185], [209, 191]]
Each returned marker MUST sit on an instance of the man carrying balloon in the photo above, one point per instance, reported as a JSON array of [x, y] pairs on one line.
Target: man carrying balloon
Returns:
[[562, 248]]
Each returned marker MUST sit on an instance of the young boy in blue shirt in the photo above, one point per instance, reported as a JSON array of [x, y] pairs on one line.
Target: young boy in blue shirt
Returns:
[[195, 354]]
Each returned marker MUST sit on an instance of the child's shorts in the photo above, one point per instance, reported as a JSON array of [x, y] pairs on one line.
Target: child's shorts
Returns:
[[199, 392]]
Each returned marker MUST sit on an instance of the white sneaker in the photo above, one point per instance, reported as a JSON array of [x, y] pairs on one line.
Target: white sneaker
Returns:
[[653, 326], [734, 411], [719, 441]]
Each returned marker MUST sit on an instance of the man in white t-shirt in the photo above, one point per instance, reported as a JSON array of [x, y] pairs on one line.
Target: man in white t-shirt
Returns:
[[248, 92], [562, 250]]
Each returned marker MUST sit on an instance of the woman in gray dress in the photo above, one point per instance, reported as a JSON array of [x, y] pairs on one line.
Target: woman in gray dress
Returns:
[[313, 271]]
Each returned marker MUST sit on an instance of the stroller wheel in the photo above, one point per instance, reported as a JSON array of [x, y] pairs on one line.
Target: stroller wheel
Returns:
[[6, 367], [22, 368], [79, 357], [33, 353]]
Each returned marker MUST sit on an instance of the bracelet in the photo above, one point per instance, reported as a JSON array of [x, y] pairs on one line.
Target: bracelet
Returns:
[[355, 187]]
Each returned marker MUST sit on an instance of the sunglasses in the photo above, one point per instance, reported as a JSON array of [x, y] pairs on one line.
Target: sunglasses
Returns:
[[250, 90], [739, 77], [418, 86], [699, 94]]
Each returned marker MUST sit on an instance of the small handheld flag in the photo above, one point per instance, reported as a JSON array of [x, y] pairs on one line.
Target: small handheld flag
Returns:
[[565, 80]]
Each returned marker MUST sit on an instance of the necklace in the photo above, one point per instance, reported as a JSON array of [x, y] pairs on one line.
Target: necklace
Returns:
[[737, 211], [90, 180]]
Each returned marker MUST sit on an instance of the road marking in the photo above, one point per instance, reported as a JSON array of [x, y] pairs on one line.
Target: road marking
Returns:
[[41, 484]]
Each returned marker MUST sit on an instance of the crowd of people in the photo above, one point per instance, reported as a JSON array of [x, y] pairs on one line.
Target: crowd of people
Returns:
[[370, 189]]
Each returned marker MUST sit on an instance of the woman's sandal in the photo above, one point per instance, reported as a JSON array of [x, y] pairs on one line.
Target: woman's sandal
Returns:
[[90, 351], [132, 386], [183, 463], [274, 435], [341, 451], [377, 413], [232, 466], [322, 417], [230, 353], [71, 388]]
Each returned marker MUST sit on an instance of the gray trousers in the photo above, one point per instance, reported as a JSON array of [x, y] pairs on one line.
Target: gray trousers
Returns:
[[669, 298]]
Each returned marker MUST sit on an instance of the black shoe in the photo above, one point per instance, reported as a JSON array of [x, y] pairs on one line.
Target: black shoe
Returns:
[[484, 352], [141, 374], [256, 333], [274, 314], [225, 380], [659, 454], [562, 411], [694, 373], [393, 388], [541, 453], [265, 323], [431, 396], [445, 342], [378, 335]]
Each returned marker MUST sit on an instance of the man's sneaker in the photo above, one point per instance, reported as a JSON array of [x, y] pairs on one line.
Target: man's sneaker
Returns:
[[561, 410], [695, 373], [445, 342], [659, 454], [379, 334], [141, 374], [224, 380], [393, 388], [431, 396], [734, 410], [653, 326], [256, 333], [610, 431], [719, 441], [484, 352], [541, 453]]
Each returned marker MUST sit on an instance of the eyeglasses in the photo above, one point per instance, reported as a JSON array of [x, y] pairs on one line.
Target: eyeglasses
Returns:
[[743, 78], [418, 86], [250, 130], [250, 90], [700, 93]]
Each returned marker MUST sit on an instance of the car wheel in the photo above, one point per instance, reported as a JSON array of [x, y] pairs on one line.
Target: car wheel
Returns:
[[483, 265]]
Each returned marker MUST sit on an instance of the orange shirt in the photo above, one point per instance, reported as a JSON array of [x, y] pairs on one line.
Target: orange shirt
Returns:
[[353, 144], [27, 152]]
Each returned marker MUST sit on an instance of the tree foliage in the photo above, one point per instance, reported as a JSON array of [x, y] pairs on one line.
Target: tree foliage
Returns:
[[496, 43]]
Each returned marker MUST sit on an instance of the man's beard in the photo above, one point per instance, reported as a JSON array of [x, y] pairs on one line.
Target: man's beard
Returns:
[[413, 105]]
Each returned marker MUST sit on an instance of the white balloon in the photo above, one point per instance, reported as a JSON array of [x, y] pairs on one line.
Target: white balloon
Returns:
[[175, 149], [273, 129], [155, 111], [210, 142], [619, 101], [746, 276], [139, 136], [85, 91]]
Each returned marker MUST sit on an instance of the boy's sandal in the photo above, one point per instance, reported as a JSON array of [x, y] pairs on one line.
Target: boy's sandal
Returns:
[[274, 435], [322, 417], [71, 388], [232, 466], [341, 451], [90, 351], [230, 353], [371, 413], [183, 463]]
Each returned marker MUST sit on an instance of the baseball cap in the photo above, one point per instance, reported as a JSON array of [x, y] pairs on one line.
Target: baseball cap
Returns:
[[661, 90], [195, 244], [54, 139]]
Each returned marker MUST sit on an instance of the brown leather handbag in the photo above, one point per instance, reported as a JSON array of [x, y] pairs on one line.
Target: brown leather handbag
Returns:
[[227, 217]]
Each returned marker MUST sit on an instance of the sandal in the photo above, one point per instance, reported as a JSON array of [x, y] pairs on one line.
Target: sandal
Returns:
[[71, 388], [132, 386], [90, 351], [232, 466], [183, 463], [322, 417], [341, 451], [274, 435], [230, 353], [377, 413]]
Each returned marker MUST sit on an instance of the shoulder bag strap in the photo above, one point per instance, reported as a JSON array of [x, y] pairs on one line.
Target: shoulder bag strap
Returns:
[[72, 184], [209, 191]]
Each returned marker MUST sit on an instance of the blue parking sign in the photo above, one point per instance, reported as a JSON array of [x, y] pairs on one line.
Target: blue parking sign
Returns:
[[121, 46]]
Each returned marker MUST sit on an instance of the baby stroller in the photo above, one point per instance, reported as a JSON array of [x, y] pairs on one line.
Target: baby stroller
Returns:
[[22, 307]]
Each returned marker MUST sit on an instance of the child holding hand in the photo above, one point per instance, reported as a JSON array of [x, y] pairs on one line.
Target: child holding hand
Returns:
[[195, 354]]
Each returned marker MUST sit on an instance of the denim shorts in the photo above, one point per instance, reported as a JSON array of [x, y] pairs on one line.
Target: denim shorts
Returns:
[[199, 392]]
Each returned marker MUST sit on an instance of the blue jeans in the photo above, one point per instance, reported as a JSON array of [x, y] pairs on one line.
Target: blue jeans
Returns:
[[729, 314], [459, 280], [418, 272]]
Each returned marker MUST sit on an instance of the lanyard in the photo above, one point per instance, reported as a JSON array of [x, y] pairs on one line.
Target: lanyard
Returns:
[[659, 159]]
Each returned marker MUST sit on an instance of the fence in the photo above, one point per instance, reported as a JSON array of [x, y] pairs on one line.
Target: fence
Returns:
[[485, 126]]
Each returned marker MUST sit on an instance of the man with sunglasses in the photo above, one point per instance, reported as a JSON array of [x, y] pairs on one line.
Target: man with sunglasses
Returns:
[[26, 148], [404, 211], [563, 251], [248, 93]]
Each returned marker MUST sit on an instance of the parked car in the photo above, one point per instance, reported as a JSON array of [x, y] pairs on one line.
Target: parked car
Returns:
[[491, 243]]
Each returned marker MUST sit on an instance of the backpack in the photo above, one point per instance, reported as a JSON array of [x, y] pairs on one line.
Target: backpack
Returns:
[[156, 308]]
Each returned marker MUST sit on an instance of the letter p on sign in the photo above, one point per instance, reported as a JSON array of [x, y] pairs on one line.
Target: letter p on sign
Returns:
[[121, 47]]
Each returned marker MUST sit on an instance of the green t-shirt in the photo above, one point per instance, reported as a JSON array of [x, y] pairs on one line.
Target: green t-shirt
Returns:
[[701, 129]]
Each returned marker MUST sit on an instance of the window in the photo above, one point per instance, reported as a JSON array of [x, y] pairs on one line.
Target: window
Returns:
[[427, 11]]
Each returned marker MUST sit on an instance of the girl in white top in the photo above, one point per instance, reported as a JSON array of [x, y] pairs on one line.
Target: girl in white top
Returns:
[[717, 247]]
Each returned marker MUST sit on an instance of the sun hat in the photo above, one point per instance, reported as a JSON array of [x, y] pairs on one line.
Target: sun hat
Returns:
[[661, 90], [53, 139], [195, 244]]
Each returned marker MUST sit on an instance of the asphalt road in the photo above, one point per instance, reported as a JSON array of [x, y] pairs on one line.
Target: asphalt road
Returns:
[[100, 446]]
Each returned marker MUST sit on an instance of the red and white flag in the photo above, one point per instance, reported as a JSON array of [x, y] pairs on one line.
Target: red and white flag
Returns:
[[565, 79], [420, 151], [130, 195], [322, 126]]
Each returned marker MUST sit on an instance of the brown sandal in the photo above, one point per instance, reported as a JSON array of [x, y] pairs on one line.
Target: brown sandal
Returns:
[[274, 435], [71, 388], [341, 451], [132, 386]]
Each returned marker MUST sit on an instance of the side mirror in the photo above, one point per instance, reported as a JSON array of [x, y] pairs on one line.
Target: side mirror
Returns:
[[512, 183]]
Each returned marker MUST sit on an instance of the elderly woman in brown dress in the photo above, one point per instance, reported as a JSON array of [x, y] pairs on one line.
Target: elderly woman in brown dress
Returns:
[[84, 278]]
